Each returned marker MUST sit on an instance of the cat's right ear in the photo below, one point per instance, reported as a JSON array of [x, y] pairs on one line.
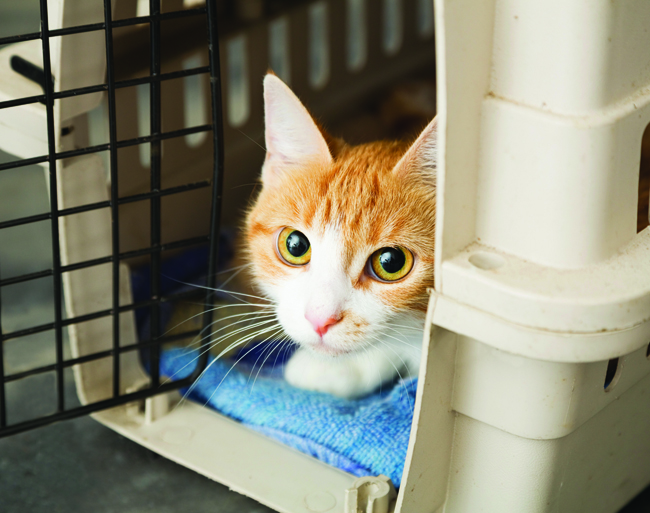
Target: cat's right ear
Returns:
[[421, 160], [292, 137]]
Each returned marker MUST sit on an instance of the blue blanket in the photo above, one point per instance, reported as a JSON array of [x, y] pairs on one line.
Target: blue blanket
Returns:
[[367, 436]]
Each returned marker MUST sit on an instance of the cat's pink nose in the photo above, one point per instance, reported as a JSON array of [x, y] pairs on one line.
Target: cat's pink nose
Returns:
[[321, 323]]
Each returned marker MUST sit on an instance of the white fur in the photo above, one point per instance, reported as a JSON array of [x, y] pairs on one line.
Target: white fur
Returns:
[[338, 363]]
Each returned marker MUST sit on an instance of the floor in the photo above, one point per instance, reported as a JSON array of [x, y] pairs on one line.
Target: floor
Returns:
[[79, 465]]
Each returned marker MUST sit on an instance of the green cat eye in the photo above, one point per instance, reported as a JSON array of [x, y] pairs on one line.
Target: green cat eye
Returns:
[[391, 264], [293, 247]]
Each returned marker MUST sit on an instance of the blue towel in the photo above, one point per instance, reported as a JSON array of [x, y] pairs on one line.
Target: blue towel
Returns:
[[367, 436]]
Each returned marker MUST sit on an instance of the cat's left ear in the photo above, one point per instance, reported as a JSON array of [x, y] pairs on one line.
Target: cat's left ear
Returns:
[[421, 159], [293, 139]]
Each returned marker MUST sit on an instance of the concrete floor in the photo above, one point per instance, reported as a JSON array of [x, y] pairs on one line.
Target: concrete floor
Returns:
[[78, 465]]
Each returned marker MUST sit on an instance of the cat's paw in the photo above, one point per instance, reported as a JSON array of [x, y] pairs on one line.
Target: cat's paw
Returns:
[[342, 377]]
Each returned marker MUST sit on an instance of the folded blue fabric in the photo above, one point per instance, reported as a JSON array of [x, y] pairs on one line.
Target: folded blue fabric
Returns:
[[367, 436]]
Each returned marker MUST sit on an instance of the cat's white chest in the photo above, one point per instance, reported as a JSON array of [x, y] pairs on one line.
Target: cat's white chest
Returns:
[[357, 374]]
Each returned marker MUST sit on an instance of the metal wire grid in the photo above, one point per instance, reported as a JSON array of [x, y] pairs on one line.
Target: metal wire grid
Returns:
[[154, 196]]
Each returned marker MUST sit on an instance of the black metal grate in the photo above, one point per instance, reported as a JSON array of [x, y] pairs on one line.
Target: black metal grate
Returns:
[[156, 192]]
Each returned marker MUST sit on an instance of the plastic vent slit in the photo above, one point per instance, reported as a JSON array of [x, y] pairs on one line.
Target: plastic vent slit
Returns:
[[611, 374], [643, 211]]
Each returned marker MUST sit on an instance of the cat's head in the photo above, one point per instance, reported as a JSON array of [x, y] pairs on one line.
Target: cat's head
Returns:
[[341, 237]]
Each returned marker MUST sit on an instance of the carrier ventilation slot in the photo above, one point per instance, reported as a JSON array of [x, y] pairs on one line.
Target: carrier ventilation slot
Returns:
[[279, 57], [144, 126], [643, 212], [392, 40], [612, 374], [238, 96], [357, 35], [425, 19], [319, 50], [195, 107]]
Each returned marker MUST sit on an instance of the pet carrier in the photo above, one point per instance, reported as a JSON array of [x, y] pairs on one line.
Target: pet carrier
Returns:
[[537, 376], [533, 395]]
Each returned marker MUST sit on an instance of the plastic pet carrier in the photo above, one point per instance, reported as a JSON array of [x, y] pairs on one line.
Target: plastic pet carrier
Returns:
[[534, 390]]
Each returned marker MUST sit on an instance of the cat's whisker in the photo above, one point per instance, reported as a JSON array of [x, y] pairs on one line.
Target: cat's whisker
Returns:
[[260, 315], [233, 275], [251, 139], [210, 310], [247, 338], [237, 267], [398, 339], [232, 305], [266, 349], [213, 343], [407, 327], [269, 316], [216, 342], [287, 342], [403, 389], [390, 327], [224, 377], [377, 339], [216, 289], [277, 331], [230, 347], [366, 353], [269, 351], [240, 300], [205, 328], [234, 293], [379, 378], [402, 341], [399, 374], [251, 184], [283, 343], [263, 362]]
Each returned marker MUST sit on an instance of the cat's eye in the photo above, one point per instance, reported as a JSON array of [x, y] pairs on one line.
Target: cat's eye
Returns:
[[390, 264], [293, 247]]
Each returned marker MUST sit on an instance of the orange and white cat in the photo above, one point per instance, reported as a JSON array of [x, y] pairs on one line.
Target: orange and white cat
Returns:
[[340, 240]]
